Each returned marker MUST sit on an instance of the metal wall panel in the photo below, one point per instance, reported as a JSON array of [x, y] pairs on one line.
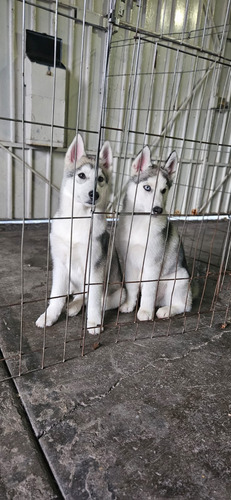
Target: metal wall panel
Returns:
[[167, 83]]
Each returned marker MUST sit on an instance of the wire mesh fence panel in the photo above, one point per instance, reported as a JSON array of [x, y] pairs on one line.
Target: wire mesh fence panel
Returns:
[[104, 228]]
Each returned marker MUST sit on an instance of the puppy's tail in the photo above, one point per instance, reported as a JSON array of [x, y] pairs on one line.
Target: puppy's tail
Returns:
[[195, 288]]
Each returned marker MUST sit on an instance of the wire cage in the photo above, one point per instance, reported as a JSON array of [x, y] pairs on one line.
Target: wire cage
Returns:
[[132, 73]]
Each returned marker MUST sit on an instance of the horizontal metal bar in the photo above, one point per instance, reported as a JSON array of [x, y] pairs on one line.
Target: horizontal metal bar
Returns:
[[180, 45], [76, 9], [188, 218], [119, 129]]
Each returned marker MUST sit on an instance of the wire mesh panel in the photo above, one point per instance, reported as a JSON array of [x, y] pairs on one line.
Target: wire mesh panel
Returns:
[[134, 74]]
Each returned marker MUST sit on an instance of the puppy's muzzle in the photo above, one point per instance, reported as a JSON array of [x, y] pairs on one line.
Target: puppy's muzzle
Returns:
[[157, 210], [93, 195]]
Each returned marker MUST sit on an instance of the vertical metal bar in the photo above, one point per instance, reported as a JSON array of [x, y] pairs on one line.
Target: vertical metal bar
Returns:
[[128, 113], [185, 202], [147, 121], [47, 186], [12, 107], [212, 104], [48, 171], [137, 83], [225, 30], [29, 184], [23, 191], [9, 177], [87, 65], [196, 171], [12, 66], [163, 18], [128, 119], [206, 138], [185, 20], [220, 140], [33, 11], [149, 110], [205, 23], [73, 192], [101, 125], [223, 264]]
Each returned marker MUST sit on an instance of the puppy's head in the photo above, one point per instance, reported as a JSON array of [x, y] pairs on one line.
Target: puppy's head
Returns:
[[151, 183], [92, 181]]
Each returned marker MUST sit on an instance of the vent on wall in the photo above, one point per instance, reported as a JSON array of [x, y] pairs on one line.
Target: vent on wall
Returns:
[[40, 48]]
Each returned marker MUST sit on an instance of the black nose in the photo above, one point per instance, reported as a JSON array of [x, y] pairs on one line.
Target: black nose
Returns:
[[91, 195], [157, 210]]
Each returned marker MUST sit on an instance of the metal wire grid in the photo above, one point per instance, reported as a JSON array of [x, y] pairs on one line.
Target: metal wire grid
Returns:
[[128, 137]]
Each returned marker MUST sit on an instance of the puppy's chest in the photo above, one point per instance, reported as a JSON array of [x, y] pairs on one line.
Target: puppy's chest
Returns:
[[80, 231], [143, 231], [81, 236], [144, 242]]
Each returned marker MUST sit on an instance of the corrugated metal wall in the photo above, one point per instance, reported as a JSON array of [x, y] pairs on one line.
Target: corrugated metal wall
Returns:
[[137, 72]]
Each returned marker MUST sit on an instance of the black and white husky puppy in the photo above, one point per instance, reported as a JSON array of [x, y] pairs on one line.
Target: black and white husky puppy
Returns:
[[79, 240], [149, 246]]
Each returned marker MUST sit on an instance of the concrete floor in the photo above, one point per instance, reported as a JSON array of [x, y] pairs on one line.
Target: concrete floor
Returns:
[[138, 417]]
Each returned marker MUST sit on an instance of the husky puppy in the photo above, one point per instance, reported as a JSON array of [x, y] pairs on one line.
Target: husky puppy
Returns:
[[79, 240], [149, 247]]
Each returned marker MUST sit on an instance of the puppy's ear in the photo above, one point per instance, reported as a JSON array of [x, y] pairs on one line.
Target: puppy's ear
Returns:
[[106, 155], [170, 165], [75, 152], [142, 161]]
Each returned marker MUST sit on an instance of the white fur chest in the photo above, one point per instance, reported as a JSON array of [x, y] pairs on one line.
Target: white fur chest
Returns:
[[141, 228], [141, 239], [72, 231]]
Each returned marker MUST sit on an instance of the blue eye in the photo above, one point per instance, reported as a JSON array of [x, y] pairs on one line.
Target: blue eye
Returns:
[[147, 187]]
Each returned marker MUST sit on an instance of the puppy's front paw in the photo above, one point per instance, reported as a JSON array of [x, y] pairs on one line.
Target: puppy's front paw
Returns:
[[44, 319], [163, 312], [93, 328], [123, 297], [144, 315], [74, 307], [127, 307]]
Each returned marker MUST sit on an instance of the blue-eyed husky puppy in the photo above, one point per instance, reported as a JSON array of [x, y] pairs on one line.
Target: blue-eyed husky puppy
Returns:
[[79, 240], [149, 247]]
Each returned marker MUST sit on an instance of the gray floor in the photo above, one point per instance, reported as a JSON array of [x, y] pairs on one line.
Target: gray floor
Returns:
[[137, 417]]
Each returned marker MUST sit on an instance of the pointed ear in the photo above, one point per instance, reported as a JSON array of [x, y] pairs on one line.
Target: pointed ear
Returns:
[[106, 155], [75, 151], [142, 161], [171, 163]]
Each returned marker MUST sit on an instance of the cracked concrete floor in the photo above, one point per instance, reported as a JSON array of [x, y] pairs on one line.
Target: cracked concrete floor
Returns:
[[143, 419]]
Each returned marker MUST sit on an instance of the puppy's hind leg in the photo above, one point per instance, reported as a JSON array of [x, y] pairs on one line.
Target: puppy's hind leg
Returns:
[[132, 290], [178, 296], [75, 306]]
